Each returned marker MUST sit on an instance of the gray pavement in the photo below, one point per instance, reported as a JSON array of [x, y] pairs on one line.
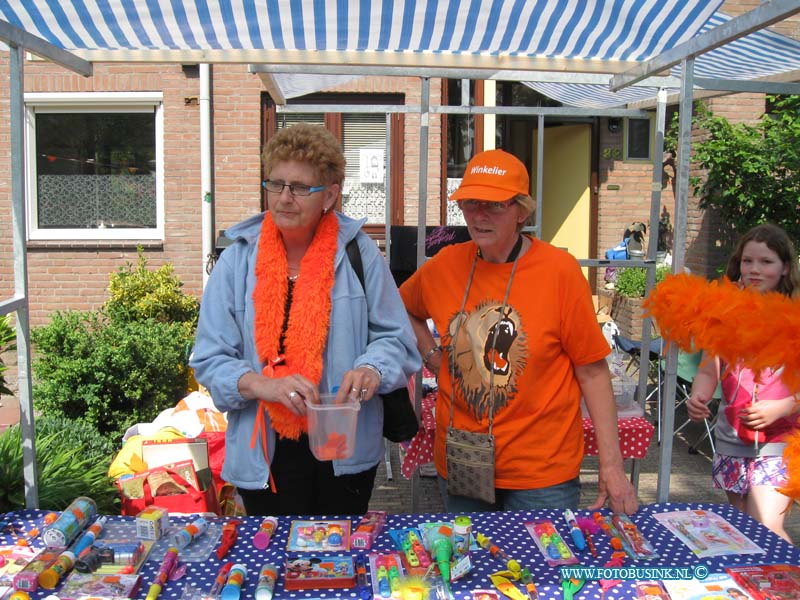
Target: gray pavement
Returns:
[[690, 480]]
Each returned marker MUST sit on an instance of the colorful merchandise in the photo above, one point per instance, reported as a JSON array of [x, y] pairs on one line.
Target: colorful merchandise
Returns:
[[91, 585], [706, 533], [768, 582], [368, 529], [237, 577], [265, 532], [71, 522], [717, 586], [550, 544], [312, 572], [267, 577], [316, 536]]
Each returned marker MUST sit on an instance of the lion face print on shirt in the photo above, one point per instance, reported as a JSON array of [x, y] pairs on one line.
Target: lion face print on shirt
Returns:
[[472, 334]]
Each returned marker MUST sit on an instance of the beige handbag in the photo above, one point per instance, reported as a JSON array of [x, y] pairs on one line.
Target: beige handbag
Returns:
[[470, 464]]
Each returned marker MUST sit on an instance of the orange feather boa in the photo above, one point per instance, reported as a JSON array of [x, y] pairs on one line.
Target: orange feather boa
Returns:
[[742, 326], [738, 325], [309, 316]]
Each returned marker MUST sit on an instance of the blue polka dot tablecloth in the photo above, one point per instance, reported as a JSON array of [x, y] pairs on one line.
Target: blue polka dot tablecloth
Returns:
[[506, 529]]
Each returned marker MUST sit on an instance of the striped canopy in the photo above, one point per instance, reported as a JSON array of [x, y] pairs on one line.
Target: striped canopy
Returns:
[[589, 30]]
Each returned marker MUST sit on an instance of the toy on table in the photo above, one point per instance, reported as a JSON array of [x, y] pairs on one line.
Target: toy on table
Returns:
[[550, 544], [267, 577], [89, 536], [571, 586], [495, 550], [530, 586], [265, 532], [361, 578], [164, 573], [318, 536], [220, 579], [100, 585], [320, 572], [462, 536], [235, 582], [605, 525], [577, 535], [706, 533], [437, 540], [367, 529], [506, 587], [387, 571], [415, 557], [27, 580], [650, 590], [151, 523], [50, 577], [482, 594], [72, 521], [190, 533], [120, 556], [639, 545], [589, 528], [229, 535]]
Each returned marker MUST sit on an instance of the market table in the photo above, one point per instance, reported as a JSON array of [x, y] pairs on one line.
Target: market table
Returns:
[[635, 434], [506, 529]]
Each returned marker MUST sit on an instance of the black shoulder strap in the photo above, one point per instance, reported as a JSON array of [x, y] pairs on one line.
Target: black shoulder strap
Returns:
[[354, 254]]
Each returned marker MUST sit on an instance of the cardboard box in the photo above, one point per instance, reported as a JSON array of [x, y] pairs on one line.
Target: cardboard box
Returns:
[[151, 523], [157, 453]]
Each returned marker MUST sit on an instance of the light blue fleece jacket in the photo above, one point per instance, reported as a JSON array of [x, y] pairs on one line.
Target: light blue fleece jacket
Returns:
[[364, 329]]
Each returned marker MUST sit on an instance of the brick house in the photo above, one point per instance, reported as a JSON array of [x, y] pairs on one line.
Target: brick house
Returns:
[[71, 272]]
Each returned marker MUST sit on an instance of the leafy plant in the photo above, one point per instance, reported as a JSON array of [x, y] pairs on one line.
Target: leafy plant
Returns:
[[111, 374], [8, 343], [137, 293], [72, 460], [123, 364], [632, 281], [752, 172]]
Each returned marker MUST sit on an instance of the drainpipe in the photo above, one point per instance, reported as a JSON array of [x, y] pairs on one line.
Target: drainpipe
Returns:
[[207, 201]]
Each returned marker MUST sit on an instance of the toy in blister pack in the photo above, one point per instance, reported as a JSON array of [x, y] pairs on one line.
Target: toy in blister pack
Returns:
[[414, 555], [312, 572], [550, 544], [637, 546], [650, 590], [316, 536], [367, 529], [387, 571]]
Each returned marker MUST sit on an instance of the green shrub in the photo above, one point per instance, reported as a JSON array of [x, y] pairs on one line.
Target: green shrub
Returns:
[[138, 294], [123, 364], [72, 460], [632, 281], [109, 373]]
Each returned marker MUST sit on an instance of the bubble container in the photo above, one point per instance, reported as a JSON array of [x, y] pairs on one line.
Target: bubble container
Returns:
[[71, 522]]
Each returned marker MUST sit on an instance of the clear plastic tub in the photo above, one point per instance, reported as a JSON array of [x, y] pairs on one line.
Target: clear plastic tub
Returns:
[[332, 427]]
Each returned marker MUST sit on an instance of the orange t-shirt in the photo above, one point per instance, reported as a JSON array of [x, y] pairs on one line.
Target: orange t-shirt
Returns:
[[549, 326]]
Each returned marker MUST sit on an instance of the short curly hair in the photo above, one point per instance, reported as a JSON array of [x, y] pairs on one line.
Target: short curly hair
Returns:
[[311, 144]]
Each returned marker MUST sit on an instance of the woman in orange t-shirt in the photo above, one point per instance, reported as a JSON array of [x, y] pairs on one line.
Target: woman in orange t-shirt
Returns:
[[521, 345]]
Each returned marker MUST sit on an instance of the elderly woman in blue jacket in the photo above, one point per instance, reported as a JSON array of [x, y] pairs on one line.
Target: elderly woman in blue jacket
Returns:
[[285, 318]]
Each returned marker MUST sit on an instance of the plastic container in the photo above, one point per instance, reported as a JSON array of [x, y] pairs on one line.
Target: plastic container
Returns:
[[332, 427], [624, 392]]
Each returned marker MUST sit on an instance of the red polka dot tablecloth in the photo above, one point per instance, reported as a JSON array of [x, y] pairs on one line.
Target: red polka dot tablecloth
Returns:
[[634, 438]]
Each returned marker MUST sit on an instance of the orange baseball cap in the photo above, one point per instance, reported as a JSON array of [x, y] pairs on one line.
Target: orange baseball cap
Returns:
[[494, 176]]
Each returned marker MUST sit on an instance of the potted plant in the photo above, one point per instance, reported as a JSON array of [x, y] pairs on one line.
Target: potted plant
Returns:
[[626, 304]]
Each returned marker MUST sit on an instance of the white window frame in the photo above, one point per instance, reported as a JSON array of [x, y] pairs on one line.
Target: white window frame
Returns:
[[104, 102]]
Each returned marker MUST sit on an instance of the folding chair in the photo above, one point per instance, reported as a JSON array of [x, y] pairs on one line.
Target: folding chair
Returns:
[[633, 348], [687, 367]]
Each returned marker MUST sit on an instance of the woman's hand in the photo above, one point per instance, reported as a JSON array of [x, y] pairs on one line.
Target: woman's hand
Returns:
[[360, 383], [761, 415], [697, 408], [291, 391]]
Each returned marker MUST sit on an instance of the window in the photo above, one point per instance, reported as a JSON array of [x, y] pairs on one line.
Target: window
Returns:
[[95, 166], [637, 139]]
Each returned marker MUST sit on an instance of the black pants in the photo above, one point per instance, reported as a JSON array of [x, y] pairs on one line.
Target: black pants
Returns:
[[307, 486]]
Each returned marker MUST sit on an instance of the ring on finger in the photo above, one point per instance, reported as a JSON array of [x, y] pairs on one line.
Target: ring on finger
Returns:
[[292, 395]]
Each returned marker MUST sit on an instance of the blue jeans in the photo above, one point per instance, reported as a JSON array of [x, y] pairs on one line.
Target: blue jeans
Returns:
[[561, 496]]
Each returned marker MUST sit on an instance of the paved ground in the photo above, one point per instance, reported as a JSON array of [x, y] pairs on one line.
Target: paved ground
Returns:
[[690, 481]]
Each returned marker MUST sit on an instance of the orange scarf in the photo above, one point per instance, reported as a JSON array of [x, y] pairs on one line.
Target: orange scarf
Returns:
[[309, 317]]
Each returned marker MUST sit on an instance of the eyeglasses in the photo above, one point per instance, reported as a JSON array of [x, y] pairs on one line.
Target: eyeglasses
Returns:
[[295, 189], [495, 208]]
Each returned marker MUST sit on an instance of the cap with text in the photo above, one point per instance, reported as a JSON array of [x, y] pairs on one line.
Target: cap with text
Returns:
[[494, 176]]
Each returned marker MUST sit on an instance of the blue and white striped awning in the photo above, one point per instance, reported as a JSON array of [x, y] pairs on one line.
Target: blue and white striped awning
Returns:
[[228, 30], [759, 55]]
